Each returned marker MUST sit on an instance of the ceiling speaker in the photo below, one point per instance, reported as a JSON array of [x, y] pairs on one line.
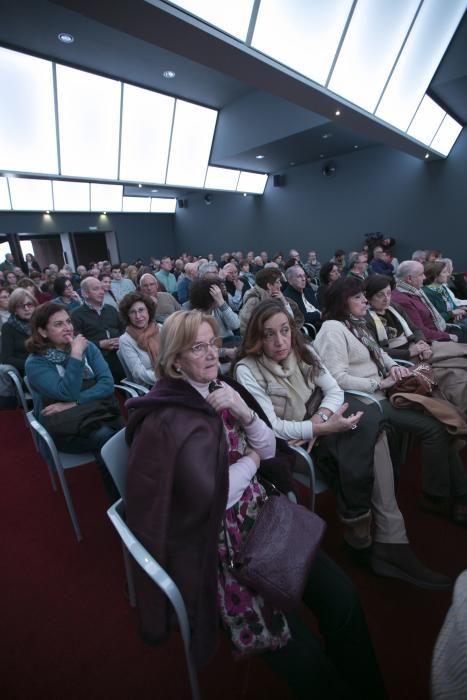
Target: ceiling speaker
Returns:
[[279, 180], [208, 199]]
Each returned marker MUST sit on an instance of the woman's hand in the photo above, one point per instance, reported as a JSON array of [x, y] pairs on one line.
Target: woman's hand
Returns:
[[252, 455], [57, 407], [418, 348], [79, 345], [337, 423], [228, 398], [277, 294], [216, 294], [453, 337]]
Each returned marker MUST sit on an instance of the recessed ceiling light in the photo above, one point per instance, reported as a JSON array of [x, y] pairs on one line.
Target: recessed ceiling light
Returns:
[[259, 157], [337, 112], [328, 135], [47, 211], [355, 146], [154, 190], [140, 185], [66, 38], [427, 155], [321, 155], [292, 162], [169, 74], [104, 213], [244, 194]]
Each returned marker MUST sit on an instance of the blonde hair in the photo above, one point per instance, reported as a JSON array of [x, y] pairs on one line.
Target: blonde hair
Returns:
[[178, 334], [20, 296]]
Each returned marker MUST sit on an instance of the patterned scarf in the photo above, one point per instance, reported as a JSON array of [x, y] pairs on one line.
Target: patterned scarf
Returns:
[[358, 327], [60, 359], [407, 288], [23, 327]]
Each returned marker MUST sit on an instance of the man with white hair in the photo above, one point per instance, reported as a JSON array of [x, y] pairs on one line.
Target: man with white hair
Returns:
[[166, 304], [421, 312], [302, 294], [419, 256]]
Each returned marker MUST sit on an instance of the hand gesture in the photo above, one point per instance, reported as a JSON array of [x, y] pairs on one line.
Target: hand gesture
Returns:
[[228, 398], [216, 294], [79, 346], [239, 284], [338, 423]]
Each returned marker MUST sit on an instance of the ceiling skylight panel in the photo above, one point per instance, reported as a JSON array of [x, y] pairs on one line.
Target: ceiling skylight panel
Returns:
[[140, 205], [230, 17], [71, 196], [302, 35], [192, 135], [431, 33], [371, 45], [89, 122], [426, 121], [30, 195], [221, 179], [146, 125], [106, 197], [27, 114], [163, 205], [446, 135], [4, 194], [254, 183]]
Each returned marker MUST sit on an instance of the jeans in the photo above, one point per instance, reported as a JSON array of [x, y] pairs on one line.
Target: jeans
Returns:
[[345, 665]]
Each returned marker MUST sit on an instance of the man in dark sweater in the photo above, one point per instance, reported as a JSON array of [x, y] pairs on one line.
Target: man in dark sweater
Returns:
[[100, 323], [298, 290]]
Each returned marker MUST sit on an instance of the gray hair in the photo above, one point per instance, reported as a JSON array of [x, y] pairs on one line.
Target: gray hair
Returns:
[[84, 284], [406, 269], [417, 254], [292, 270], [207, 267], [448, 263]]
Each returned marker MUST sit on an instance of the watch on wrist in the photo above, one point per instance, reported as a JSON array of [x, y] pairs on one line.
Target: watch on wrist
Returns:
[[323, 416]]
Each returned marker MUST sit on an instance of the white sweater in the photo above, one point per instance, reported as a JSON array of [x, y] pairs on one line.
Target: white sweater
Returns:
[[137, 361]]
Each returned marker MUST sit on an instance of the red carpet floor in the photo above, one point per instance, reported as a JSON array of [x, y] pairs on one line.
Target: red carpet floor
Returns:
[[68, 631]]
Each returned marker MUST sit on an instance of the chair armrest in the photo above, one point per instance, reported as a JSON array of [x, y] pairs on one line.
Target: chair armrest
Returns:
[[132, 393], [405, 363], [371, 398], [310, 471], [140, 388]]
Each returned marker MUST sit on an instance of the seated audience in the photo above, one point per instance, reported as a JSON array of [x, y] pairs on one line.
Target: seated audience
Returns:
[[210, 296], [303, 295], [120, 285], [409, 295], [419, 256], [4, 313], [435, 288], [190, 273], [268, 286], [139, 345], [358, 266], [380, 263], [357, 362], [66, 295], [235, 286], [30, 264], [451, 286], [329, 274], [109, 296], [282, 373], [181, 420], [165, 303], [65, 373], [17, 329], [312, 267], [166, 277], [99, 323]]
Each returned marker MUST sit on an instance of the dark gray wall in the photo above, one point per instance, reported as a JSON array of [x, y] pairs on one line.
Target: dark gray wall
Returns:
[[139, 235], [421, 204]]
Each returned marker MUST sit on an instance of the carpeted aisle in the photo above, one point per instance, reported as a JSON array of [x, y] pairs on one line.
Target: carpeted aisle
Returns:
[[68, 631]]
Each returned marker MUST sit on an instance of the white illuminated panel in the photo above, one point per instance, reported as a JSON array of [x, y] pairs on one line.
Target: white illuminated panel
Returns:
[[71, 196], [426, 122], [89, 115], [192, 135], [446, 136], [370, 48], [254, 183], [146, 125], [221, 179], [420, 57], [4, 195], [106, 197], [30, 195], [27, 115], [302, 35], [162, 205], [231, 17], [137, 204]]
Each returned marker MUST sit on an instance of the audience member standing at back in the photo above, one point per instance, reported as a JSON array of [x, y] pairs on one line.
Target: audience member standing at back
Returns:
[[166, 277], [99, 323]]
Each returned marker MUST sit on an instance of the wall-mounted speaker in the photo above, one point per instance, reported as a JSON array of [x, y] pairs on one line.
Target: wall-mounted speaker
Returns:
[[278, 180], [182, 203], [329, 169]]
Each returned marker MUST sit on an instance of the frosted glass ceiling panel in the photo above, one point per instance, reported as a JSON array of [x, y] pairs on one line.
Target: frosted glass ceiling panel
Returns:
[[31, 195], [190, 147], [163, 206], [221, 179], [146, 125], [137, 204], [252, 182], [4, 196], [426, 121], [71, 196], [106, 197], [89, 121], [446, 136], [302, 35], [425, 47], [370, 49], [27, 114], [231, 17]]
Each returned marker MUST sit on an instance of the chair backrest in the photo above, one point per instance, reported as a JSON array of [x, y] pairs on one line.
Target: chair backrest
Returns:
[[19, 389], [121, 357], [115, 455]]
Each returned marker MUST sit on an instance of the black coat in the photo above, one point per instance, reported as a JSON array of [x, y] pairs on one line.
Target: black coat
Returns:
[[310, 317]]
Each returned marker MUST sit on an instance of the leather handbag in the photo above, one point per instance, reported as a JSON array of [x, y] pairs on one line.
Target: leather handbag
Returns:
[[83, 419], [276, 556], [421, 381]]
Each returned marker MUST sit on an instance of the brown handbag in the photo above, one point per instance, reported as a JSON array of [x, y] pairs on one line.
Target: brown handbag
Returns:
[[421, 381]]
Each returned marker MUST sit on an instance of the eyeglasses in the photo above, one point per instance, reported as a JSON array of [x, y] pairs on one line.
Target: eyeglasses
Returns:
[[27, 305], [201, 349], [136, 312]]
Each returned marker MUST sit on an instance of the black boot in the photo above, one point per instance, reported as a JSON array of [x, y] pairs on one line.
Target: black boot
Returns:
[[398, 561]]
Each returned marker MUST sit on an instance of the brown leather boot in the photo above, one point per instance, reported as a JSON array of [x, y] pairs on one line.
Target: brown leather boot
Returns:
[[399, 561], [357, 531]]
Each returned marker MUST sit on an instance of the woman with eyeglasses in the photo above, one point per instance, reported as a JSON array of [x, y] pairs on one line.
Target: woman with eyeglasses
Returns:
[[66, 295], [139, 345], [195, 447], [17, 329]]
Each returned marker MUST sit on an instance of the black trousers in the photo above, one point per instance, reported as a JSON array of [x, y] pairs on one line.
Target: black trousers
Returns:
[[343, 664]]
